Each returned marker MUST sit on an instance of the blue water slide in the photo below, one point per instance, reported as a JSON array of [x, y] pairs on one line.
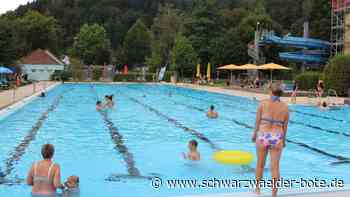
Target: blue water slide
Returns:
[[297, 42], [303, 57], [314, 50]]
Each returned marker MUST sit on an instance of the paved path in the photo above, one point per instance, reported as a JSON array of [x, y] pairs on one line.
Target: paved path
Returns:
[[9, 97], [258, 96]]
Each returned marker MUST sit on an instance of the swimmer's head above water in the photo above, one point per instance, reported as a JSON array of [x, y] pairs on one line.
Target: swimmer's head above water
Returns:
[[193, 144], [212, 108]]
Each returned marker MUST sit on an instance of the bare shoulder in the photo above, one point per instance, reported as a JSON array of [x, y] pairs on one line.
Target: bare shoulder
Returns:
[[263, 102]]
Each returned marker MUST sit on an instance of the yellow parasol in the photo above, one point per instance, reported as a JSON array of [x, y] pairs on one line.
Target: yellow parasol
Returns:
[[209, 72], [248, 67], [271, 67], [198, 75], [228, 67]]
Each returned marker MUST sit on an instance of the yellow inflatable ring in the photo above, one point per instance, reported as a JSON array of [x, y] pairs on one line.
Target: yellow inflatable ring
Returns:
[[233, 157]]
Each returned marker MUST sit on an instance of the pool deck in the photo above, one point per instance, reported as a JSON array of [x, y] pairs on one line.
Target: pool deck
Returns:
[[12, 96], [258, 96]]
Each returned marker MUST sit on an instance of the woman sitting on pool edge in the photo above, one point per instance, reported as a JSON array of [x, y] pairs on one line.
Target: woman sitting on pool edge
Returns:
[[45, 176], [212, 113], [270, 134]]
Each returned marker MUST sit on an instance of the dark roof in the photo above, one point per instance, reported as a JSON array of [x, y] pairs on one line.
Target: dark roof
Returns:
[[40, 56]]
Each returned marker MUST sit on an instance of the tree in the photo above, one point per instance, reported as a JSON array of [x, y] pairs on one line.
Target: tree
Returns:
[[137, 43], [230, 49], [166, 25], [183, 56], [7, 43], [337, 74], [155, 60], [38, 31], [249, 23], [204, 27], [91, 45]]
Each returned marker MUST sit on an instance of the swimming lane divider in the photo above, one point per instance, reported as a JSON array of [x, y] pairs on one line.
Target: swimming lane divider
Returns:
[[341, 159], [307, 114], [195, 133], [117, 138], [120, 147], [338, 157], [20, 149], [346, 134]]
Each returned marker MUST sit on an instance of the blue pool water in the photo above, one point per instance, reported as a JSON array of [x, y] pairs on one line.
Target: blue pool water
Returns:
[[153, 125]]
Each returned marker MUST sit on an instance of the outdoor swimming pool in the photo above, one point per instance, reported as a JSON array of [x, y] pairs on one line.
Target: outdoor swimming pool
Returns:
[[155, 123]]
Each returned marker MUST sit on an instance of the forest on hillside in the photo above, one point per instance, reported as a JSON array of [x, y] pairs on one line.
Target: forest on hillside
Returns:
[[155, 32]]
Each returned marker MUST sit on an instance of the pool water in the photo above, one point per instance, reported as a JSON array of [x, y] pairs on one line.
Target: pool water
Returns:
[[144, 136]]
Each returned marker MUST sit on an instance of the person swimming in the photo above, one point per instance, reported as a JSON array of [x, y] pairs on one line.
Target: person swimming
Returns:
[[42, 94], [109, 101], [193, 153], [324, 105], [212, 113], [99, 106], [71, 187]]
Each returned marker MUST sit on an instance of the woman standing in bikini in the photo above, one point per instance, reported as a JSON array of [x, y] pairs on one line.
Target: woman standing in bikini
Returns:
[[270, 135], [45, 176]]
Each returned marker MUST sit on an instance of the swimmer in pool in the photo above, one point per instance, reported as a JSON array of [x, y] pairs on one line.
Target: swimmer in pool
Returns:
[[71, 187], [99, 106], [324, 105], [212, 113], [42, 94], [2, 176], [109, 101], [193, 154]]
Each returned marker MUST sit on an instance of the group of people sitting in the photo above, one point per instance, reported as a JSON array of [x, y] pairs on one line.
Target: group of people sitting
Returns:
[[107, 104]]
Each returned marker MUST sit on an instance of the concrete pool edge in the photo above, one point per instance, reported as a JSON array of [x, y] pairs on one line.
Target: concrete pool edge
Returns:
[[5, 112], [251, 95]]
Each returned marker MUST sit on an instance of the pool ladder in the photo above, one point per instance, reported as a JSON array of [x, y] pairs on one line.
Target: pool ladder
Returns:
[[331, 94]]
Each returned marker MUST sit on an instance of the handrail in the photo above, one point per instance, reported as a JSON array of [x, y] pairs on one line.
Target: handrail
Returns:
[[330, 91]]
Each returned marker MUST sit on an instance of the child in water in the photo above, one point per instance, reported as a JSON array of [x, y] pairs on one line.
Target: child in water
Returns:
[[212, 113], [72, 187], [193, 154], [109, 101], [99, 106]]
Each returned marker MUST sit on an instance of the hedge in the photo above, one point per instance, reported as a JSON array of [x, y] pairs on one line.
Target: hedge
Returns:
[[96, 74], [134, 77], [337, 74], [308, 80]]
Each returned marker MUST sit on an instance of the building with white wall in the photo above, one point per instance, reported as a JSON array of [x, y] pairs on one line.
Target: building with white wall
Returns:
[[40, 65]]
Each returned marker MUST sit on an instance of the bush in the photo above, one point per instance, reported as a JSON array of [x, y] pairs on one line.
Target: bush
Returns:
[[96, 74], [64, 75], [167, 76], [134, 77], [337, 74], [308, 80]]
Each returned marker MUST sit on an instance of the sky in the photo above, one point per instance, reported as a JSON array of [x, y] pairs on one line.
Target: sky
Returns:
[[7, 5]]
